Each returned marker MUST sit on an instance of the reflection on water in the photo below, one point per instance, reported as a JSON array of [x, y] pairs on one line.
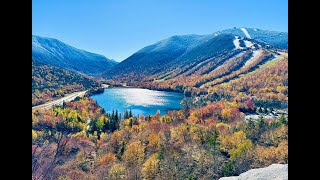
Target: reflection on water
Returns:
[[140, 101]]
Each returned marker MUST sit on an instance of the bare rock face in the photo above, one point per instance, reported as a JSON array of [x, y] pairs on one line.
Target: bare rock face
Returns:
[[274, 172]]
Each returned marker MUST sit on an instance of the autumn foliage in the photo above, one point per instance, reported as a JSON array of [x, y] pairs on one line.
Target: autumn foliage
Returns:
[[209, 138], [219, 141]]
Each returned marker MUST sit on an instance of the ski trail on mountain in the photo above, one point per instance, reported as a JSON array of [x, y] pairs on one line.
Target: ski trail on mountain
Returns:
[[245, 32], [236, 43]]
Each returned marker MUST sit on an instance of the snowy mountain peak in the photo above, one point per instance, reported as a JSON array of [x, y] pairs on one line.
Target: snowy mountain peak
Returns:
[[272, 38], [56, 53]]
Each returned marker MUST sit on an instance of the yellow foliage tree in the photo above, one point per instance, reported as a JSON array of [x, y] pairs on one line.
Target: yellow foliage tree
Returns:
[[282, 152], [117, 171], [179, 133], [236, 144], [150, 167], [100, 123], [226, 113], [199, 133], [34, 135], [153, 140], [34, 119], [135, 129], [64, 178], [134, 153], [166, 119], [222, 129]]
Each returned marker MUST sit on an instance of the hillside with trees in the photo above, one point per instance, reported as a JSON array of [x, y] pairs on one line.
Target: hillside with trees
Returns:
[[49, 82], [80, 140]]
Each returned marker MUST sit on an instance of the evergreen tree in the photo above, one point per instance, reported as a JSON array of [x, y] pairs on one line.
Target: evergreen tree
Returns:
[[161, 152], [64, 104], [122, 148], [106, 125], [130, 113], [112, 115], [213, 139], [126, 115], [112, 125], [229, 168], [116, 117], [130, 122]]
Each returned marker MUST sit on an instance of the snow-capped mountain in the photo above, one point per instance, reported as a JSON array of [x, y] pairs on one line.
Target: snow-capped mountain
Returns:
[[178, 52], [272, 38], [56, 53]]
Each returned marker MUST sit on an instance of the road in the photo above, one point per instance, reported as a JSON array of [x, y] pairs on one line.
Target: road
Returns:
[[67, 98]]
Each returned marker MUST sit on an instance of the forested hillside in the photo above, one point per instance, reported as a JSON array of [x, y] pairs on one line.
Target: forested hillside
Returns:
[[81, 141], [49, 82], [261, 75]]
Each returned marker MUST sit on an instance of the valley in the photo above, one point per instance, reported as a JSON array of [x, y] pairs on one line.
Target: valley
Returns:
[[222, 101]]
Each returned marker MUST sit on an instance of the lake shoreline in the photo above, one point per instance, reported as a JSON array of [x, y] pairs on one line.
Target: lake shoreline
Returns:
[[143, 87], [142, 101]]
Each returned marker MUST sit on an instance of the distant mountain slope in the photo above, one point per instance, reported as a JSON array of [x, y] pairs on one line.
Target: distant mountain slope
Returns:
[[151, 59], [170, 53], [56, 53], [178, 54], [49, 82]]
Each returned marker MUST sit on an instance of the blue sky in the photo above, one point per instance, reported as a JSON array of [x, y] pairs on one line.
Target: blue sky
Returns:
[[118, 28]]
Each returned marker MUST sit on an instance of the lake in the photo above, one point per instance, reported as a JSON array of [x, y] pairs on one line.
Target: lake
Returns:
[[140, 101]]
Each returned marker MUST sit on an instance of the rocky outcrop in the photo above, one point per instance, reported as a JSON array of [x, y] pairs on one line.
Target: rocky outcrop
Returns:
[[274, 172]]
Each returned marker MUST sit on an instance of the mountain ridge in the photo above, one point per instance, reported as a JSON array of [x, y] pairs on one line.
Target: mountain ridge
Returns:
[[54, 52], [179, 51]]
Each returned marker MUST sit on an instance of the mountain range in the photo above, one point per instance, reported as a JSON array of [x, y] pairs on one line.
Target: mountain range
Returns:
[[56, 53], [176, 55], [166, 59]]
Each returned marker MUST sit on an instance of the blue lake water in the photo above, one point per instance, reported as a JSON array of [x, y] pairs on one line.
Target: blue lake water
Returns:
[[140, 101]]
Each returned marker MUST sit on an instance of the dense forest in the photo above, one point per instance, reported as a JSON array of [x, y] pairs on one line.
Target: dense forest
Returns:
[[80, 141], [50, 82]]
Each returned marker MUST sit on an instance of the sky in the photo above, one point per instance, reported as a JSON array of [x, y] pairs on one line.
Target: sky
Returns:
[[119, 28]]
